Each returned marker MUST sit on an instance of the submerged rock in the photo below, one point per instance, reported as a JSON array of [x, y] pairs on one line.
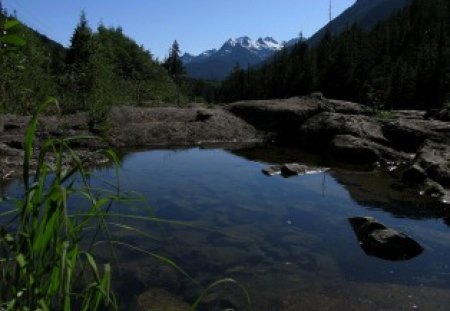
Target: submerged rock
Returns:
[[157, 299], [386, 243]]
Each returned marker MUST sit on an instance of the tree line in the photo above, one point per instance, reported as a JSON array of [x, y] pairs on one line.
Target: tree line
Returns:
[[99, 69], [403, 62]]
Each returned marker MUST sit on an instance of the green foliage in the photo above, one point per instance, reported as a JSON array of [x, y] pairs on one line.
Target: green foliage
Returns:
[[403, 62], [42, 262], [26, 66], [99, 70], [135, 77]]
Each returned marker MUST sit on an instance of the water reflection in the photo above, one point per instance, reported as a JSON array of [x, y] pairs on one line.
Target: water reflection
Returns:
[[374, 188], [286, 240]]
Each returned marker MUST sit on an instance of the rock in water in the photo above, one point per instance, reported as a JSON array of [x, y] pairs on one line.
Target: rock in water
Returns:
[[272, 170], [292, 169], [386, 243]]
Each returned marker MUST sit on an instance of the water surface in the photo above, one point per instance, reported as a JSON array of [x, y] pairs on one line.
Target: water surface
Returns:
[[287, 240]]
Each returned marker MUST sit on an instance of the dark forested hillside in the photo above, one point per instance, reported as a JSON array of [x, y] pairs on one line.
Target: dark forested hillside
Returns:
[[365, 13], [99, 69], [402, 62]]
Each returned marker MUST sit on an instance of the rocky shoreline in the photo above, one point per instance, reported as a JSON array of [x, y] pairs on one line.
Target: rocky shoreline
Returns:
[[411, 145]]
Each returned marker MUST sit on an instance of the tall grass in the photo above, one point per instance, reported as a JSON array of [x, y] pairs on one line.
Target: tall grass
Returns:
[[43, 264]]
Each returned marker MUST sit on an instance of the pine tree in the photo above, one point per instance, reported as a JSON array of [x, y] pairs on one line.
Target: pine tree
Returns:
[[81, 47], [78, 61], [173, 63]]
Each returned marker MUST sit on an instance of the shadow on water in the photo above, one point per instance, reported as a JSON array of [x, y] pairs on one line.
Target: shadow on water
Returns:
[[369, 187]]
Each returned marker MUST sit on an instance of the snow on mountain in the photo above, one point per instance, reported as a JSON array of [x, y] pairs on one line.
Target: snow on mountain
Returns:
[[216, 64], [267, 43]]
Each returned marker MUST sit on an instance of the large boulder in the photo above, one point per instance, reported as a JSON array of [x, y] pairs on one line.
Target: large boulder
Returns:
[[321, 129], [434, 159], [279, 115], [386, 243], [349, 148], [408, 134]]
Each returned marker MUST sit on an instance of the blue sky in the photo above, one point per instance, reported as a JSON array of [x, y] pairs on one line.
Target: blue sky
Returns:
[[197, 25]]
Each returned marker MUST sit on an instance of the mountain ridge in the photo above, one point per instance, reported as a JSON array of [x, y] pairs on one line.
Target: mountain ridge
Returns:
[[216, 64]]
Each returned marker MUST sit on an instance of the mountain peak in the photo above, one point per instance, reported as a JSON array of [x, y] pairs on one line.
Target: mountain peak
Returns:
[[242, 50], [267, 43]]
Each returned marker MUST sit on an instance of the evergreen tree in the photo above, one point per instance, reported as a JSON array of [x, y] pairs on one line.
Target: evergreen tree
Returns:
[[78, 60], [173, 63], [81, 47]]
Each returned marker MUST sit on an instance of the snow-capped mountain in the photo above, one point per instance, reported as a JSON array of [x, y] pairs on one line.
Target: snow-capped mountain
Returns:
[[217, 64]]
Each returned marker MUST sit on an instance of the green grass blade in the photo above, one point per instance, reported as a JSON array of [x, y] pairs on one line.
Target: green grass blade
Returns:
[[154, 255], [29, 138]]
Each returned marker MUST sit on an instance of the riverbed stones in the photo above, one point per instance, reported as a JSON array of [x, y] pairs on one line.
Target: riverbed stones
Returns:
[[378, 240], [157, 299]]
